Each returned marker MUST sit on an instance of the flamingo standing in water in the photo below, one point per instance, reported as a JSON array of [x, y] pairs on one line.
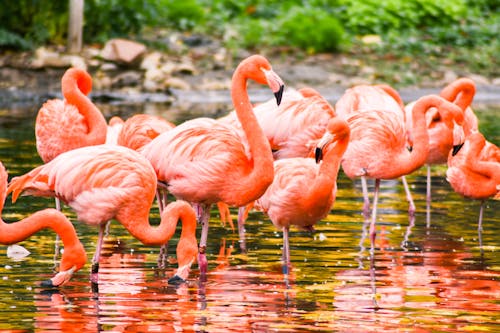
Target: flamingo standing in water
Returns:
[[107, 181], [73, 257], [63, 125], [474, 171], [303, 191], [203, 161], [293, 129], [377, 147], [442, 137], [374, 97]]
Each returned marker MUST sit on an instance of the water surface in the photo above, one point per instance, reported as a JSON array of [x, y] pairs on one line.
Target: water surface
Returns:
[[436, 279]]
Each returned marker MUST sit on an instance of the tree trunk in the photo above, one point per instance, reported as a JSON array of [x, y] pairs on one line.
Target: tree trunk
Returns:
[[75, 26]]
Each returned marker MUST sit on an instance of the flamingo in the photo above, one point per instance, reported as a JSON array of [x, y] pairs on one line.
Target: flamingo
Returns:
[[374, 97], [303, 191], [474, 171], [203, 161], [293, 129], [74, 122], [442, 137], [63, 125], [74, 256], [107, 181], [377, 147]]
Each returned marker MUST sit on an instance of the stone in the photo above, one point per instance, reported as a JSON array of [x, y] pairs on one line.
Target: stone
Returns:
[[123, 51]]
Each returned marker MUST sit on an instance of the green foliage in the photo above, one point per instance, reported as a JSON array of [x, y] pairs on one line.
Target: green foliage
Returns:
[[311, 29], [183, 15], [381, 17], [106, 19], [27, 23]]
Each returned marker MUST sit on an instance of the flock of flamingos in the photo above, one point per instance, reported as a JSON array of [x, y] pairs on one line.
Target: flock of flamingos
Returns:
[[281, 157]]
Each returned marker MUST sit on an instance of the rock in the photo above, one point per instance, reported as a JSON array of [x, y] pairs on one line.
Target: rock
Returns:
[[496, 81], [48, 58], [151, 61], [177, 83], [127, 79], [479, 79], [123, 51]]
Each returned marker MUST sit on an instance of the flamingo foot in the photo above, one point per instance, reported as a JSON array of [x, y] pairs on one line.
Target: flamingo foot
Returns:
[[176, 280], [94, 276], [59, 279], [202, 261]]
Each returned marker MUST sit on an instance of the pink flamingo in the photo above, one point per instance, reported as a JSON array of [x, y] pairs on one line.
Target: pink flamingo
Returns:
[[105, 182], [374, 97], [377, 148], [303, 191], [443, 136], [474, 171], [293, 129], [73, 257], [63, 125], [203, 161]]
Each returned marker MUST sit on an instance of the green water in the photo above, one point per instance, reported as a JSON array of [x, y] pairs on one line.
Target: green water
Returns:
[[420, 279]]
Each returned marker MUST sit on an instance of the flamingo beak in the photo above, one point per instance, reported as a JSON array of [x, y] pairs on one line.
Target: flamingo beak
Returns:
[[275, 83], [326, 139], [456, 149], [279, 94]]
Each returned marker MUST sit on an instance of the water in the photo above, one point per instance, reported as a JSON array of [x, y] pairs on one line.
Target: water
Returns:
[[436, 279]]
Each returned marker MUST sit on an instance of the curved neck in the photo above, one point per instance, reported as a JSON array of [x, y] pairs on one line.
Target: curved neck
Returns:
[[262, 170], [327, 174], [461, 92], [137, 223], [11, 233], [75, 86]]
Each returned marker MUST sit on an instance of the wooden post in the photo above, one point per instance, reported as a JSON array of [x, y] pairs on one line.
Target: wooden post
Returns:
[[75, 26]]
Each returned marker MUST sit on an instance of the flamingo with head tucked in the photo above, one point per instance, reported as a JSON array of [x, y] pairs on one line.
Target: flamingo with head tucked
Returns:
[[474, 171], [203, 161], [73, 257], [109, 181]]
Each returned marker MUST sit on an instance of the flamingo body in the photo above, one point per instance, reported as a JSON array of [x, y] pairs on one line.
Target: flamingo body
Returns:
[[74, 256], [105, 182], [75, 122]]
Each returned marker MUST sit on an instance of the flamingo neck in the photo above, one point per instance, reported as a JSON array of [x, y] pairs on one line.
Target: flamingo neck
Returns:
[[324, 183], [461, 92], [75, 87], [15, 232], [140, 228], [261, 170]]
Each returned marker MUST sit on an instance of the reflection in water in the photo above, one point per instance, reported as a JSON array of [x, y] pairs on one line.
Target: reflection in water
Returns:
[[436, 279]]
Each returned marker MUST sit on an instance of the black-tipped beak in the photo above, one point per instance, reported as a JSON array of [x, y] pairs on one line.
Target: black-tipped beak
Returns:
[[318, 154], [279, 94], [47, 284], [176, 280], [456, 149]]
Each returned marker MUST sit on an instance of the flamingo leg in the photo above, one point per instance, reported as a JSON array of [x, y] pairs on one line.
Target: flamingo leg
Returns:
[[97, 254], [56, 243], [366, 202], [428, 198], [241, 228], [480, 222], [204, 210], [374, 216], [286, 252], [161, 198], [409, 198]]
